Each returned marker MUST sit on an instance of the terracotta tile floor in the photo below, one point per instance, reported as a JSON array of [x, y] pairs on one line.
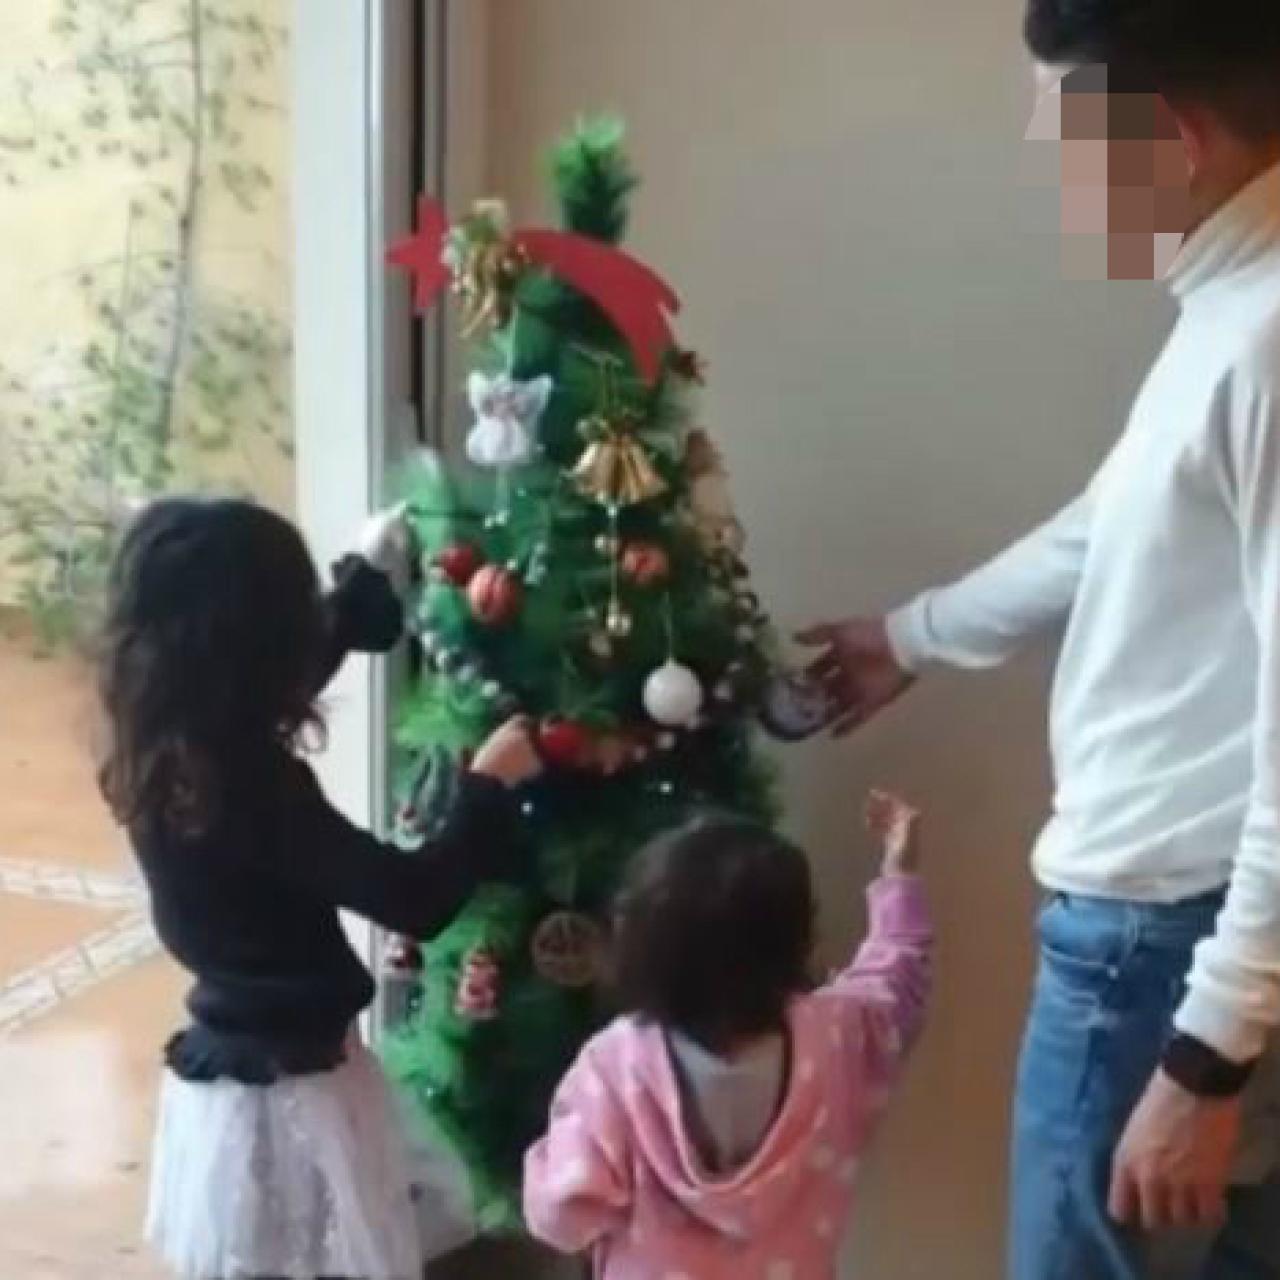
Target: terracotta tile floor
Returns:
[[84, 1000], [85, 1003]]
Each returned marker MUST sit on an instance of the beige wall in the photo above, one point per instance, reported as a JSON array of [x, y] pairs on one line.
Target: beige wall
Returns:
[[901, 381]]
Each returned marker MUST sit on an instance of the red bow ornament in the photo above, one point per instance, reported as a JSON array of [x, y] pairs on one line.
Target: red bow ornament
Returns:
[[482, 261]]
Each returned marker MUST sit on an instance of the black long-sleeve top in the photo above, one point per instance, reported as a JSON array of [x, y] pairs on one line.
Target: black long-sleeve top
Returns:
[[250, 907]]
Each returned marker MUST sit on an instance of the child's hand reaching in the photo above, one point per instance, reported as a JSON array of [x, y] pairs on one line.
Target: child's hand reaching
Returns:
[[896, 825], [509, 754]]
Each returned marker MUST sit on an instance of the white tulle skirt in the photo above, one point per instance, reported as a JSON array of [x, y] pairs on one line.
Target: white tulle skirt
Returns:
[[313, 1176]]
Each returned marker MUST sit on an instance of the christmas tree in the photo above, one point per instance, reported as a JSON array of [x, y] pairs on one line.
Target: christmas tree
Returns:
[[586, 570]]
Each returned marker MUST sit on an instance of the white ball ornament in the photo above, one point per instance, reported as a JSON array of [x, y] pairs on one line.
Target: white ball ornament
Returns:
[[673, 695]]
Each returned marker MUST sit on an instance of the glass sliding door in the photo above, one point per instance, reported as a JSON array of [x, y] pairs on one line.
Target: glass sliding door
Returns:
[[145, 347]]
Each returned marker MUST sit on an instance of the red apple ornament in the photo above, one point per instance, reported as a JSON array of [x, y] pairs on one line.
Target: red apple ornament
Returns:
[[563, 743], [478, 988], [495, 595], [646, 564], [459, 563]]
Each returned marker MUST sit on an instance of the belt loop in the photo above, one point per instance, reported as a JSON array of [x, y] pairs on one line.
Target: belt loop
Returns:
[[1135, 919]]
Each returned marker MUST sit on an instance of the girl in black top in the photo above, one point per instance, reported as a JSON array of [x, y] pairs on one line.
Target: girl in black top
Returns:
[[278, 1152]]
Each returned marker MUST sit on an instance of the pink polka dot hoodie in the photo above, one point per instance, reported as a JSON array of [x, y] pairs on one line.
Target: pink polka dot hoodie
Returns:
[[617, 1175]]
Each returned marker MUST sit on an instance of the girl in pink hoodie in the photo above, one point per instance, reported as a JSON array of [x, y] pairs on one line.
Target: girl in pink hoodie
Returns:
[[715, 1132]]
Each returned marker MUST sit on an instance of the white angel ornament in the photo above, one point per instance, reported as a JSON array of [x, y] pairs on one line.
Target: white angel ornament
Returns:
[[507, 414]]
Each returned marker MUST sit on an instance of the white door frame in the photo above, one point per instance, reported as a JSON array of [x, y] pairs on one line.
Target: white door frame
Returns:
[[354, 173], [341, 348]]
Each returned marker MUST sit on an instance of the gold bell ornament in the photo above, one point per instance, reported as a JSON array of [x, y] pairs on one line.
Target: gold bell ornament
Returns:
[[615, 468]]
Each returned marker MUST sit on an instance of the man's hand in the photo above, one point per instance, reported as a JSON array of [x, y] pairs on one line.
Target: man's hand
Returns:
[[857, 668], [1173, 1162]]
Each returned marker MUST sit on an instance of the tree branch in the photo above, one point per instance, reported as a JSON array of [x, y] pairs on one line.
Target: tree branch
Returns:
[[185, 277]]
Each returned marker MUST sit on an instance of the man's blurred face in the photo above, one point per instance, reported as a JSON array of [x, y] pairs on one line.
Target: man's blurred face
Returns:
[[1123, 172]]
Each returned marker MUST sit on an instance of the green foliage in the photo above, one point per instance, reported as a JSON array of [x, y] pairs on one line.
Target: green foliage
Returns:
[[593, 179], [175, 369], [484, 1085]]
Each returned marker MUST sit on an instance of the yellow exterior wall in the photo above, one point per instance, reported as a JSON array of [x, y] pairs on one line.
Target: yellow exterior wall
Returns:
[[55, 220]]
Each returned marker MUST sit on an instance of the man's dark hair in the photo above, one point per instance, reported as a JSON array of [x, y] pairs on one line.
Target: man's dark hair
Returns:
[[1223, 53], [714, 931]]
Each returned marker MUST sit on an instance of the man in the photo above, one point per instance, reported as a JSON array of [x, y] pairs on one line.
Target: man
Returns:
[[1160, 943]]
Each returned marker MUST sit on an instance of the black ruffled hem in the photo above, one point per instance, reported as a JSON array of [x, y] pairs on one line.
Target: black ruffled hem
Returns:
[[202, 1055]]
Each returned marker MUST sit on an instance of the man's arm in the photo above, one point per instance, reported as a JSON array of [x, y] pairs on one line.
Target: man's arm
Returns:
[[1233, 998], [980, 621], [987, 616], [1173, 1162]]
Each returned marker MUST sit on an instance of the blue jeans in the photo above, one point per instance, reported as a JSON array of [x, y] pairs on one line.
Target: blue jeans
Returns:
[[1111, 976]]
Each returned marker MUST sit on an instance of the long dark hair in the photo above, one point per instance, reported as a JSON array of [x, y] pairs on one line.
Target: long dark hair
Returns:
[[714, 931], [213, 635]]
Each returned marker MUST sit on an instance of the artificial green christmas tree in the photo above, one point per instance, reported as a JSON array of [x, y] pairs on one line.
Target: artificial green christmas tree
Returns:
[[585, 570]]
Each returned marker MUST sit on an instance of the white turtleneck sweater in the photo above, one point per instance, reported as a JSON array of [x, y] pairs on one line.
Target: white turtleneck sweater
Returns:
[[1165, 572]]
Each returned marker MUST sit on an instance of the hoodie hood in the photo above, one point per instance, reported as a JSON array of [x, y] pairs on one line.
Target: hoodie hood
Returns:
[[803, 1138]]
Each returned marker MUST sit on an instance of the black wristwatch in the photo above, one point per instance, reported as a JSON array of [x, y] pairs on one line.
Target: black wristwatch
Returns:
[[1204, 1071]]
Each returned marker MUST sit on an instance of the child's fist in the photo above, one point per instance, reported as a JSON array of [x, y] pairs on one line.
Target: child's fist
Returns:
[[896, 825], [509, 754]]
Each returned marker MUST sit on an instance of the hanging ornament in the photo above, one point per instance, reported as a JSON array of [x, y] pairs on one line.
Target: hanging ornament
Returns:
[[563, 743], [507, 414], [486, 265], [458, 563], [409, 829], [477, 995], [615, 469], [646, 564], [495, 595], [673, 695], [536, 574], [427, 799], [701, 456], [710, 506], [689, 365], [617, 622], [600, 645], [794, 707], [568, 949]]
